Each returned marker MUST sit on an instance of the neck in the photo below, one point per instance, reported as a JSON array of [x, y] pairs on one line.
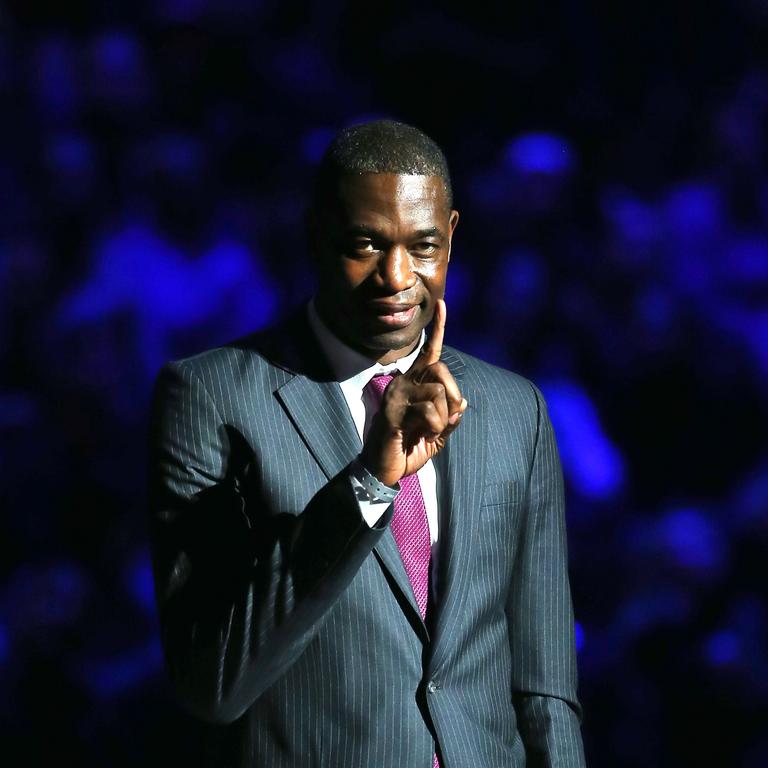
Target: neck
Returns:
[[393, 354]]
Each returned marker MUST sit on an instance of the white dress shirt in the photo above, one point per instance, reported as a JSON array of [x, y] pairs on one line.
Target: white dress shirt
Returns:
[[353, 371]]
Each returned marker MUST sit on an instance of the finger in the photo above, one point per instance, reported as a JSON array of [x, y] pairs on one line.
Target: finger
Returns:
[[453, 419], [453, 423], [433, 392], [438, 372], [423, 420], [433, 347]]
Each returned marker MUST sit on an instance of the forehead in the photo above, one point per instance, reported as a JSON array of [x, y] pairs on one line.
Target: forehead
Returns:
[[393, 197]]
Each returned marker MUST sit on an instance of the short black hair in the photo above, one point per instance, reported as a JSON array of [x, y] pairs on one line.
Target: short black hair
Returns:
[[380, 146]]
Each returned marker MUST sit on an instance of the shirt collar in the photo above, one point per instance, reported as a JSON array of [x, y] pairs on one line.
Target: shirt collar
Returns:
[[349, 366]]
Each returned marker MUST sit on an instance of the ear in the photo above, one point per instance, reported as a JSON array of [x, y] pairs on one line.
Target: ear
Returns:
[[452, 222]]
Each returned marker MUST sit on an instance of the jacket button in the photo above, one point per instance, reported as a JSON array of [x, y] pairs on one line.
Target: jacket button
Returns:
[[432, 686]]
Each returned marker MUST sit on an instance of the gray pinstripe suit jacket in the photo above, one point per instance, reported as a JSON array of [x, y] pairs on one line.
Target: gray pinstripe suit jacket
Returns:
[[291, 625]]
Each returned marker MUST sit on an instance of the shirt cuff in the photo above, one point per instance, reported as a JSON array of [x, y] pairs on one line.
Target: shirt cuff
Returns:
[[371, 511], [373, 497]]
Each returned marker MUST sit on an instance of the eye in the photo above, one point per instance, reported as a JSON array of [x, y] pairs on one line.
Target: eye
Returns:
[[364, 246], [425, 248]]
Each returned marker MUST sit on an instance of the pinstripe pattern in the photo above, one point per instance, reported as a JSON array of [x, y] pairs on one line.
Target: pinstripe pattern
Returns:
[[291, 624]]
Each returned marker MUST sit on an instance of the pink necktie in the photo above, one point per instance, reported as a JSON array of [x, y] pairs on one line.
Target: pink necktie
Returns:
[[409, 523]]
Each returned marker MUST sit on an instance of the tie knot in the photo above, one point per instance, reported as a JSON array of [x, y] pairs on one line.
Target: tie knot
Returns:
[[377, 385]]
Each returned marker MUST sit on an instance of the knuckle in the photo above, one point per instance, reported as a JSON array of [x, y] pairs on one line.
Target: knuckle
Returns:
[[437, 429], [439, 423]]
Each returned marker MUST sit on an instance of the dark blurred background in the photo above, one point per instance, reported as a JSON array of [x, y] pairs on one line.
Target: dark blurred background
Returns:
[[609, 162]]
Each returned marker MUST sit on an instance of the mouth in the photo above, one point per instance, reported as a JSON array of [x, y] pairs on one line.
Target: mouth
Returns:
[[394, 316]]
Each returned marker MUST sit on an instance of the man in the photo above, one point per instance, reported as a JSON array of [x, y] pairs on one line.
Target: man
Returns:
[[356, 569]]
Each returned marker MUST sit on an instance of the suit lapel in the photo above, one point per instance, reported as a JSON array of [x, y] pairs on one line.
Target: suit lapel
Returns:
[[461, 468], [311, 398], [319, 412], [317, 409], [388, 554]]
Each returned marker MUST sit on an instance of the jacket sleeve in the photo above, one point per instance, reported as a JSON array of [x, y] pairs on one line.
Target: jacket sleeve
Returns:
[[540, 615], [238, 600]]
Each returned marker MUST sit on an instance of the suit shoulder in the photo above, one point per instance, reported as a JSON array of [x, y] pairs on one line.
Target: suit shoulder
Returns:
[[491, 375], [495, 379], [202, 364], [277, 353], [215, 357], [229, 367]]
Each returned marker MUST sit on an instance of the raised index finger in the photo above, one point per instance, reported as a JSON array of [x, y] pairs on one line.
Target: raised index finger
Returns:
[[433, 347]]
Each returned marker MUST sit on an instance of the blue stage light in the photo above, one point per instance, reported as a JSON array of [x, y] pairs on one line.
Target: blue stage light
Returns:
[[722, 648], [315, 142], [539, 153]]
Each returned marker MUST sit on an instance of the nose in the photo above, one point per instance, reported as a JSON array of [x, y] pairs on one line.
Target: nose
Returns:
[[396, 270]]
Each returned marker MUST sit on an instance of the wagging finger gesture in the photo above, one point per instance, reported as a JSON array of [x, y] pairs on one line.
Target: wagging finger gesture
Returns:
[[418, 411]]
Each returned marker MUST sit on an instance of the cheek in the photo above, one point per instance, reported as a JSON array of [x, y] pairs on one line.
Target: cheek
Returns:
[[345, 274], [354, 273], [433, 276]]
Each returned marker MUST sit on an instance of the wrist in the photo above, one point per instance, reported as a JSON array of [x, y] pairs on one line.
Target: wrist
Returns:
[[376, 487], [386, 478]]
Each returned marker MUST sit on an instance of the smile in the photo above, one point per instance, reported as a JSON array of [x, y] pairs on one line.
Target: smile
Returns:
[[396, 317]]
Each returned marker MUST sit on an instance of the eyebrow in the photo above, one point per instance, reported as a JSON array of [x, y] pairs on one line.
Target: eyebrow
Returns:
[[430, 232], [363, 231]]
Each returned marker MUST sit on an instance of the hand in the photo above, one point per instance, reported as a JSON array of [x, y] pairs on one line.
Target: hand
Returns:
[[418, 411]]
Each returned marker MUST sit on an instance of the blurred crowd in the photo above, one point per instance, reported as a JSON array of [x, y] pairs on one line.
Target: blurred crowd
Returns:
[[611, 172]]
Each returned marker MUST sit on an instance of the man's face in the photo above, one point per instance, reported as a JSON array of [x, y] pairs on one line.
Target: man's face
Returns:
[[383, 247]]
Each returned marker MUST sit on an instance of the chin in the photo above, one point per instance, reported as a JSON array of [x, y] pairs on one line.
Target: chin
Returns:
[[390, 340]]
